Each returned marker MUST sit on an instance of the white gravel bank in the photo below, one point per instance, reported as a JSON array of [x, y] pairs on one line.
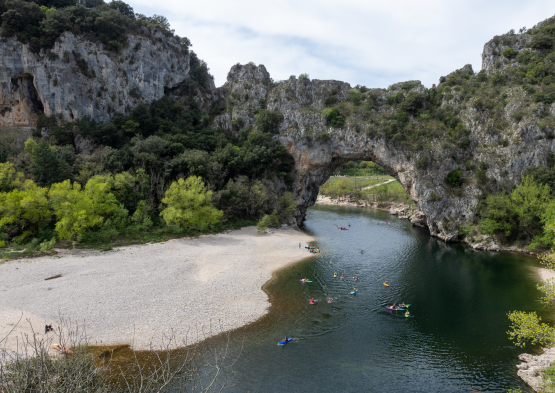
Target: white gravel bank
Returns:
[[142, 292]]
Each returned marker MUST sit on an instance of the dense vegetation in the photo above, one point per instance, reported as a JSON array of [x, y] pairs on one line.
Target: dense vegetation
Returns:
[[39, 23], [362, 168], [161, 171]]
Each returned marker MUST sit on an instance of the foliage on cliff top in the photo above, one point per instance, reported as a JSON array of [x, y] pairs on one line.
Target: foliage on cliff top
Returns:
[[40, 23]]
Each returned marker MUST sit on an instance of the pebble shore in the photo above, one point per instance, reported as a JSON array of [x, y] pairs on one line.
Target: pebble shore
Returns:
[[137, 294]]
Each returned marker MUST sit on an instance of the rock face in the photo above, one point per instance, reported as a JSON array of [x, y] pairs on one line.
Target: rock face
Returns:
[[531, 367], [319, 149], [79, 78]]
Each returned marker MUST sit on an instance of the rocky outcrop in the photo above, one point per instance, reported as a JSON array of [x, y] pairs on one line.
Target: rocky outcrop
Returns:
[[79, 78], [318, 149], [530, 370]]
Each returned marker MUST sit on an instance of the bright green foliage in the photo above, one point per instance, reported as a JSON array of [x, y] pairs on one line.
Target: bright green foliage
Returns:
[[47, 244], [516, 215], [79, 210], [509, 53], [9, 178], [527, 328], [268, 121], [189, 203], [27, 207], [269, 221], [303, 76]]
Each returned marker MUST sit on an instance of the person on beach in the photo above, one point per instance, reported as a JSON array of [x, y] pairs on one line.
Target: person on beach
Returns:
[[299, 245]]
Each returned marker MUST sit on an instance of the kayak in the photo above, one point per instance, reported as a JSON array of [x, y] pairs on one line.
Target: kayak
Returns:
[[329, 301], [308, 281], [385, 285], [283, 342], [61, 349], [354, 292], [311, 302], [394, 308], [407, 315]]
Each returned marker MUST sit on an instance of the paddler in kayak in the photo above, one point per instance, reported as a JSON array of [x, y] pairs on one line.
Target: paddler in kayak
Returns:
[[356, 278], [335, 274]]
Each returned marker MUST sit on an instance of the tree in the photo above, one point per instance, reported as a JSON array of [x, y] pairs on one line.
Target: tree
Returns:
[[27, 207], [189, 203], [78, 210], [527, 327], [268, 121], [9, 178], [49, 164]]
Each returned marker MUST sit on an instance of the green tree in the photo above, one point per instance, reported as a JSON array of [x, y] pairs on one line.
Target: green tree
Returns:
[[268, 121], [79, 210], [49, 164], [527, 327], [10, 179], [189, 203], [27, 207]]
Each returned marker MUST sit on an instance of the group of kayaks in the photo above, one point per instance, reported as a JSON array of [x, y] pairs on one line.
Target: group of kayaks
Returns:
[[313, 250], [400, 307]]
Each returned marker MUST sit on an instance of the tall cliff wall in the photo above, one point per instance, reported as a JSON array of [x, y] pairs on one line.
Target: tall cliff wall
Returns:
[[79, 78]]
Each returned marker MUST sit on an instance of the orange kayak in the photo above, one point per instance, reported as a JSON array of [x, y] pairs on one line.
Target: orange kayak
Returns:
[[385, 285], [61, 349]]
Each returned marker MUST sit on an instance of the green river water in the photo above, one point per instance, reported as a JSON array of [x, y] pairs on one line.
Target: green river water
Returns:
[[454, 341]]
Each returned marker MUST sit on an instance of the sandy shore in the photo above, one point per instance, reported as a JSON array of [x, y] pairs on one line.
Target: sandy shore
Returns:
[[139, 293]]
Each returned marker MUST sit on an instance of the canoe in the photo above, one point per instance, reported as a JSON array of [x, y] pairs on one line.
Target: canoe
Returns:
[[61, 349], [283, 342]]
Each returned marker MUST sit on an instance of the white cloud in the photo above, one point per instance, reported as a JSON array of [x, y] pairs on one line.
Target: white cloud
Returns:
[[373, 43]]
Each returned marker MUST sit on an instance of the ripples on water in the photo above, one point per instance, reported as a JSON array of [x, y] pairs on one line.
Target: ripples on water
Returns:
[[454, 341]]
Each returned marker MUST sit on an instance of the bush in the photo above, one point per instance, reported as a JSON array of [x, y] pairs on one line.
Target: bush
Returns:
[[510, 53], [454, 178], [355, 96], [333, 117], [422, 162], [268, 121], [304, 76], [413, 102]]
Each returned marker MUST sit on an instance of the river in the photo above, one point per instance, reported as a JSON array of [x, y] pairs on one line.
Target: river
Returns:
[[454, 340]]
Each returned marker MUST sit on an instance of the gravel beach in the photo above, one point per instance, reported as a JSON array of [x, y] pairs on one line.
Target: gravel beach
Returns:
[[136, 294]]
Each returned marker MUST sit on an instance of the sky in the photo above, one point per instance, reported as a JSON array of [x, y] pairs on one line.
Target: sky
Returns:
[[366, 42]]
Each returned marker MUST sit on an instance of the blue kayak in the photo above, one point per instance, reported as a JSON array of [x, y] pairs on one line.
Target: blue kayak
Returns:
[[285, 341], [354, 292]]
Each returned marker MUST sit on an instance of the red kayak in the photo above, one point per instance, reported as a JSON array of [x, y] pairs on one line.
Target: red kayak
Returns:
[[344, 229]]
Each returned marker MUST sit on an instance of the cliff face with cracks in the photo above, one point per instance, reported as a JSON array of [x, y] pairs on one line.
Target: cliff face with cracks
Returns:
[[318, 148], [79, 78]]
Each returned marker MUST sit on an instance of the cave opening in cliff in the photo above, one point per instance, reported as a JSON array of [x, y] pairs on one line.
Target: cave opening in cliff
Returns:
[[25, 92]]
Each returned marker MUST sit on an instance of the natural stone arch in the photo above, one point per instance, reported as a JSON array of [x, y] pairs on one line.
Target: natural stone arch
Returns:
[[317, 148]]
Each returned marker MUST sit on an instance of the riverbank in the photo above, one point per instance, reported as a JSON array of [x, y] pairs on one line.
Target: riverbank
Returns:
[[532, 366], [191, 288]]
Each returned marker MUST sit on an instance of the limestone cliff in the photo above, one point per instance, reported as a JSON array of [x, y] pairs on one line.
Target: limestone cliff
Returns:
[[79, 78], [319, 148]]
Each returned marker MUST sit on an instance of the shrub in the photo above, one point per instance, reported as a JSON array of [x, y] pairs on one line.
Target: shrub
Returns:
[[355, 96], [47, 244], [323, 136], [413, 102], [268, 121], [510, 53], [454, 178], [422, 162], [333, 117], [395, 99], [541, 41], [517, 116], [303, 76]]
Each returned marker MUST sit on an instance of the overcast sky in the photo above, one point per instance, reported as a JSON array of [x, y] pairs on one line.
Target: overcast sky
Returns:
[[367, 42]]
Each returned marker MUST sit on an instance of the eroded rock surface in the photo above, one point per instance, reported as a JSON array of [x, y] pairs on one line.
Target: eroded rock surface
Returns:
[[78, 78], [532, 366]]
